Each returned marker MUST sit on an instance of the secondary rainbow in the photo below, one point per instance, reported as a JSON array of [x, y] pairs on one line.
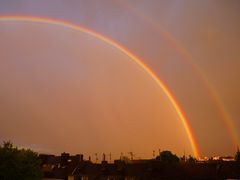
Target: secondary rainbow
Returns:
[[189, 60], [208, 86], [133, 57]]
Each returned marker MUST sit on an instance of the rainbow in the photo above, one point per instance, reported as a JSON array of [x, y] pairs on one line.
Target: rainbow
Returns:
[[189, 60], [133, 57], [207, 84]]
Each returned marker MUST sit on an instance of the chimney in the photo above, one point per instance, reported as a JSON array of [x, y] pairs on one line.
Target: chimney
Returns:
[[81, 157]]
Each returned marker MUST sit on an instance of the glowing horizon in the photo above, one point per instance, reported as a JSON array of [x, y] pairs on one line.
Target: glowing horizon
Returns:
[[119, 47]]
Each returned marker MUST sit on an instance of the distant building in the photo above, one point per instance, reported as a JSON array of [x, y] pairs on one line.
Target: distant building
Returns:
[[69, 167]]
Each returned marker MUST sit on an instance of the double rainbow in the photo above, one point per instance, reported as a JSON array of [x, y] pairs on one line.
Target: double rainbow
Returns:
[[186, 56]]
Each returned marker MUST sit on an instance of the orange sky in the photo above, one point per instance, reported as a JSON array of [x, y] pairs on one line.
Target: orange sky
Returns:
[[65, 91], [81, 94]]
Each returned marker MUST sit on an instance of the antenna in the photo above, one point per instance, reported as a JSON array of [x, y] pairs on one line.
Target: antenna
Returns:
[[121, 156], [131, 154], [104, 157], [96, 155], [110, 158], [153, 154], [184, 156]]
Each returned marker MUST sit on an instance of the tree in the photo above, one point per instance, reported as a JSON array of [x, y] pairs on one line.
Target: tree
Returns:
[[191, 160], [22, 164], [237, 155], [168, 157], [125, 159]]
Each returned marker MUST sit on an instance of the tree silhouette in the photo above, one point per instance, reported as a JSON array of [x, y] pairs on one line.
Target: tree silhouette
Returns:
[[19, 164], [237, 155], [191, 160], [125, 159], [168, 157]]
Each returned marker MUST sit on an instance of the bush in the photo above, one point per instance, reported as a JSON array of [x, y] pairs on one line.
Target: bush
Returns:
[[237, 155], [18, 164], [168, 157]]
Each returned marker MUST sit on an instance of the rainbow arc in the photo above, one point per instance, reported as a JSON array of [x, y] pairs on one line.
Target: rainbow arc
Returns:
[[123, 50]]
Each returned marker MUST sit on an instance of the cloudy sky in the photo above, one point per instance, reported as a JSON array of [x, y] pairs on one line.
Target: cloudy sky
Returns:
[[65, 90]]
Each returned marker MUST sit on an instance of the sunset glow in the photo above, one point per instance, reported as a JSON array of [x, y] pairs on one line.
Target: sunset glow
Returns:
[[123, 50], [120, 77]]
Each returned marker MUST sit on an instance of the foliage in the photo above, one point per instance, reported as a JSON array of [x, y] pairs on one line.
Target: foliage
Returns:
[[191, 160], [237, 155], [167, 157], [125, 159], [21, 164]]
